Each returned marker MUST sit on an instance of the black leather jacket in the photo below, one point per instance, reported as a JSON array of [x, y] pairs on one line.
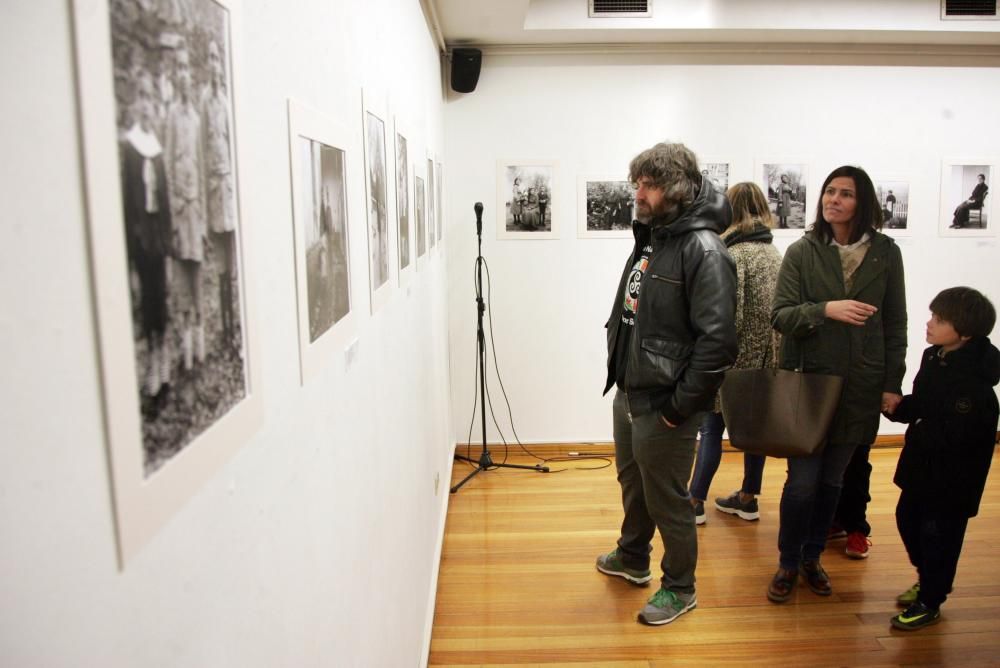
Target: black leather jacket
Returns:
[[684, 337]]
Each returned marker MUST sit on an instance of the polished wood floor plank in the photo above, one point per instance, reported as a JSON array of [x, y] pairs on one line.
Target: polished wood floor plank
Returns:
[[517, 584]]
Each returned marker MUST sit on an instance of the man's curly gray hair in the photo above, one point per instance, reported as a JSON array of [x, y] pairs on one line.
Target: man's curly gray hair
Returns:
[[672, 167]]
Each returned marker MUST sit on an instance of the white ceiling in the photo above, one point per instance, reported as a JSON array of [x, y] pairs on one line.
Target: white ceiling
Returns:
[[559, 24]]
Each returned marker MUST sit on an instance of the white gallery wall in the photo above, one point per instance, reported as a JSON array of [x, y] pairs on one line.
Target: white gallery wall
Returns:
[[319, 539], [895, 115]]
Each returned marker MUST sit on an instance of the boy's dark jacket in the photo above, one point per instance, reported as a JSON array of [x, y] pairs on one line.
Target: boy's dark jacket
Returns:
[[952, 414]]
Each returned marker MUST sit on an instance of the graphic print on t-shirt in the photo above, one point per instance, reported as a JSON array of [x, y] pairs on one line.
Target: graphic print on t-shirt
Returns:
[[631, 304]]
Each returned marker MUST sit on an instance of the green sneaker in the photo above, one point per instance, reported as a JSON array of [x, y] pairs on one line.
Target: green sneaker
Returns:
[[917, 616], [611, 564], [908, 597], [666, 606]]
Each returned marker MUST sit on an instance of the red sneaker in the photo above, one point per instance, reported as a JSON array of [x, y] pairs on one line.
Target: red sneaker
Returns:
[[835, 532], [857, 545]]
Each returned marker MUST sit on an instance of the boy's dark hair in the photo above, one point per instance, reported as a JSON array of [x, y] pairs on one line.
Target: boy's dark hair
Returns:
[[968, 311]]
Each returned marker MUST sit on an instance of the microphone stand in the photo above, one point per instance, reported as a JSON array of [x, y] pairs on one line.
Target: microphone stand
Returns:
[[485, 461]]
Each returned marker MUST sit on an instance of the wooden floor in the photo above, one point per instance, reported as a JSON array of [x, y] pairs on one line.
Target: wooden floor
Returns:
[[518, 586]]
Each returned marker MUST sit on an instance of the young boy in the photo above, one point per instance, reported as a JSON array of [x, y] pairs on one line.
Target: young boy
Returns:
[[942, 469]]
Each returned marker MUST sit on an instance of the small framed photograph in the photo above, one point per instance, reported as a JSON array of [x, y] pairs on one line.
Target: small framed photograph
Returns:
[[178, 345], [420, 217], [785, 184], [524, 199], [893, 194], [380, 249], [404, 219], [321, 163], [966, 199], [604, 207], [432, 208], [439, 182], [718, 171]]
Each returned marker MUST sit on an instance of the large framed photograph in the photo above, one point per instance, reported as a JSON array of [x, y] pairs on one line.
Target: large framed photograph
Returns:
[[404, 220], [320, 162], [380, 262], [893, 194], [785, 183], [966, 199], [605, 207], [158, 99], [524, 199]]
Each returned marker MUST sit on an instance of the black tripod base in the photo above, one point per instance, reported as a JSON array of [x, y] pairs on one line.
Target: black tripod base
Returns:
[[486, 462]]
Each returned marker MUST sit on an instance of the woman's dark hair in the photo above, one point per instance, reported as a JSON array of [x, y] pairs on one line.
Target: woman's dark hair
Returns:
[[967, 309], [867, 215]]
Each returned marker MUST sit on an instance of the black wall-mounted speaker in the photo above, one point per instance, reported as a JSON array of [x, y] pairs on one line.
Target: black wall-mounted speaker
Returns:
[[465, 64]]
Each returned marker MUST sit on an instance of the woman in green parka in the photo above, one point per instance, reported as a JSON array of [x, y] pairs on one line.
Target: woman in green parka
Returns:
[[840, 305]]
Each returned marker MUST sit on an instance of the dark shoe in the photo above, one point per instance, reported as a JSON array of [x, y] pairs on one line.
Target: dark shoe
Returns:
[[699, 513], [731, 505], [917, 616], [909, 597], [816, 578], [857, 545], [782, 586]]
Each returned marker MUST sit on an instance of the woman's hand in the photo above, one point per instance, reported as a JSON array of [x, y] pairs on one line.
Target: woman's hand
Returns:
[[850, 311], [890, 401]]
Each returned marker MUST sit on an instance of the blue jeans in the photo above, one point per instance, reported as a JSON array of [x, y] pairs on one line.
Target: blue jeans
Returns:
[[710, 454], [654, 463], [808, 502]]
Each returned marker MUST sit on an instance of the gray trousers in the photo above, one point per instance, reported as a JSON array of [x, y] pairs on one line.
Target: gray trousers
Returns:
[[654, 466]]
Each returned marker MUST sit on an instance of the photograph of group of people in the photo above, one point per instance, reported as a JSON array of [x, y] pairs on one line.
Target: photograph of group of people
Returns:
[[178, 185], [526, 198], [834, 303]]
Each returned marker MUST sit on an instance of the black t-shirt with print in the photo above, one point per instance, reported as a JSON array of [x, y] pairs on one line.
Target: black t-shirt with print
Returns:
[[630, 304]]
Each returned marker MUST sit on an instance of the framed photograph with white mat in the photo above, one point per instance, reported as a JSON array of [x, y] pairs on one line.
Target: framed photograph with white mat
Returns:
[[159, 97], [380, 243], [785, 182], [323, 157], [525, 193], [404, 216], [967, 197], [604, 207], [893, 194]]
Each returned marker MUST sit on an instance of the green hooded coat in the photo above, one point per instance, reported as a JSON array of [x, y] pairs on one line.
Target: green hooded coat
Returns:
[[872, 357]]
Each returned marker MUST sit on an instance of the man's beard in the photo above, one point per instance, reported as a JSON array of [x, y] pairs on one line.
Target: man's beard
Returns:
[[664, 212]]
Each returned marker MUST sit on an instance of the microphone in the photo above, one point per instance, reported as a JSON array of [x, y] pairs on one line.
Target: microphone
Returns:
[[479, 218]]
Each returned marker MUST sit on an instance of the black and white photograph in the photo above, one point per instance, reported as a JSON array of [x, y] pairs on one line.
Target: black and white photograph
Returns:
[[378, 210], [431, 205], [966, 198], [717, 173], [402, 203], [524, 200], [323, 203], [606, 207], [181, 217], [182, 333], [785, 186], [321, 164], [894, 198], [419, 213], [439, 200]]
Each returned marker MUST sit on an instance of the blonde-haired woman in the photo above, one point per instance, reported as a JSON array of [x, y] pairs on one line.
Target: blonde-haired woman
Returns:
[[749, 242]]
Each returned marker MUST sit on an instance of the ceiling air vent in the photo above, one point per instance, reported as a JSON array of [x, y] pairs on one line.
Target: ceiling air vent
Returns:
[[968, 9], [621, 8]]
